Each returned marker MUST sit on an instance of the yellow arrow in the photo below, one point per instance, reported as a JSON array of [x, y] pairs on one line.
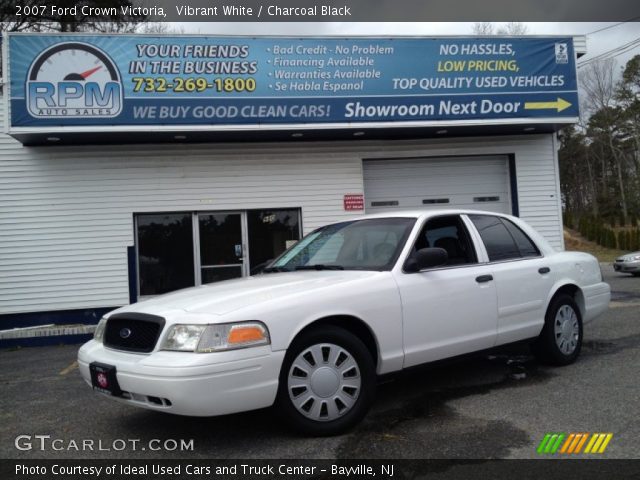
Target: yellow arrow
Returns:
[[559, 105]]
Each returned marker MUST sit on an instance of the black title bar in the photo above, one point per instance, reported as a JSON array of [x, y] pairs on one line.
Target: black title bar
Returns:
[[183, 469], [324, 10]]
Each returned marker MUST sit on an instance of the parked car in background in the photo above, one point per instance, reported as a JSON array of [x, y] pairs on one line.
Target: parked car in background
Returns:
[[629, 263], [348, 302]]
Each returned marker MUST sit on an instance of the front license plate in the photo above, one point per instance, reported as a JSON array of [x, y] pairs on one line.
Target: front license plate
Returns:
[[103, 378]]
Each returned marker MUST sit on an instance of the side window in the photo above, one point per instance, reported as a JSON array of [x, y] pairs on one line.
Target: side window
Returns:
[[450, 234], [525, 245], [503, 239], [497, 239]]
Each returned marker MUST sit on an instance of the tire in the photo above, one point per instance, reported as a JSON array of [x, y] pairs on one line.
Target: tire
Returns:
[[560, 341], [327, 382]]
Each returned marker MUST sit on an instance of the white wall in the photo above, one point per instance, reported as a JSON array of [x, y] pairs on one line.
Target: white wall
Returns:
[[66, 213]]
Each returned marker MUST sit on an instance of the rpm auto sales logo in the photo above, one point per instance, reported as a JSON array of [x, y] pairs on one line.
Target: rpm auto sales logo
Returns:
[[74, 80]]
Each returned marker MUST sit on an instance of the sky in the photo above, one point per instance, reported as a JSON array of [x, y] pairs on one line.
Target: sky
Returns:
[[597, 43]]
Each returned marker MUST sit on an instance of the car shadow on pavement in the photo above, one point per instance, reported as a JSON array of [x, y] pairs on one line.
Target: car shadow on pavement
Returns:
[[415, 397]]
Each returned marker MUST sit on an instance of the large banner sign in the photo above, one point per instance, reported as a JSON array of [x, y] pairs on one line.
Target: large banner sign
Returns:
[[136, 80]]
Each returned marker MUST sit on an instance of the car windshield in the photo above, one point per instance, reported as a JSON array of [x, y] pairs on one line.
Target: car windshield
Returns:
[[370, 244]]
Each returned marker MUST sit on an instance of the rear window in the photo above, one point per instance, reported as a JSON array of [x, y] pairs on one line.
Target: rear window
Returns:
[[525, 245], [497, 240]]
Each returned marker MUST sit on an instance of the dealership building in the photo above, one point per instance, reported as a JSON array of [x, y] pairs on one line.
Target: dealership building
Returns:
[[131, 166]]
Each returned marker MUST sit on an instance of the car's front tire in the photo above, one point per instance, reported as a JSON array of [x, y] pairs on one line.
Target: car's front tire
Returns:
[[327, 381], [560, 341]]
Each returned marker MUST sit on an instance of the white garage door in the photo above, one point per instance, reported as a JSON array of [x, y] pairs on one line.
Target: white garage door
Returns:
[[480, 182]]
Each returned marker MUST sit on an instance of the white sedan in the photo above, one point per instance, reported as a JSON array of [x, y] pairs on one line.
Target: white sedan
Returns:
[[350, 301]]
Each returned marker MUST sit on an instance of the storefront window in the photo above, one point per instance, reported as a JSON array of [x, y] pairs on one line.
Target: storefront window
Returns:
[[170, 257], [270, 232], [165, 252]]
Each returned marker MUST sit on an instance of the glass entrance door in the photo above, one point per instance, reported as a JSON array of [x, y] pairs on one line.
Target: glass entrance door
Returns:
[[221, 246]]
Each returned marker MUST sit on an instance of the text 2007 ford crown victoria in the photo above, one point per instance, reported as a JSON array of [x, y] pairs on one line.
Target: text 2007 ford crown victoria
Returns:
[[350, 301]]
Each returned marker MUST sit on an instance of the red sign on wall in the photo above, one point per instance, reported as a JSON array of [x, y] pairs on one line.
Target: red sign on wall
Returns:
[[354, 201]]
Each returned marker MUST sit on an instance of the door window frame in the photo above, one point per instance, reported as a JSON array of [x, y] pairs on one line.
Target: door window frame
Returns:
[[470, 237], [480, 241]]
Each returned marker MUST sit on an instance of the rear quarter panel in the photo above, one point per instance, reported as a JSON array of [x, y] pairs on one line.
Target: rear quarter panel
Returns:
[[582, 270]]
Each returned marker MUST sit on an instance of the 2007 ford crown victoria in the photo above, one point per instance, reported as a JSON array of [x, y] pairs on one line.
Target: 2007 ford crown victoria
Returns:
[[350, 301]]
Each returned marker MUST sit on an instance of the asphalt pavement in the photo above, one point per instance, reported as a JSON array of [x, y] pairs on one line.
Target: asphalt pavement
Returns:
[[489, 406]]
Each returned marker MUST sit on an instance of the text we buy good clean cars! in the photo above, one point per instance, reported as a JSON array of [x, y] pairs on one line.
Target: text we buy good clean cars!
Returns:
[[350, 301]]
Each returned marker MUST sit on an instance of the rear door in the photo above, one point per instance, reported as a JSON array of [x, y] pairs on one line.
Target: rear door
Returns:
[[523, 277]]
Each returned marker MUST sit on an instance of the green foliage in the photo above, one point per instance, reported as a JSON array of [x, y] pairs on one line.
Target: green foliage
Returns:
[[608, 236], [598, 164], [621, 240]]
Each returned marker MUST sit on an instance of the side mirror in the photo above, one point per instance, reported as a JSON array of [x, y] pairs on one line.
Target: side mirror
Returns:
[[426, 258]]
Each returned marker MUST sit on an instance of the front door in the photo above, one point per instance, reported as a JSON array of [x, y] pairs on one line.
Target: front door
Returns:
[[221, 246], [452, 309]]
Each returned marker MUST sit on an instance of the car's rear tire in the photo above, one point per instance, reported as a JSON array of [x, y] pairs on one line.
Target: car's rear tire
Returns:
[[327, 382], [560, 341]]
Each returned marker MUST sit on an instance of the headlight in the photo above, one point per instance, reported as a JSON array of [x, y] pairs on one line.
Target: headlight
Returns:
[[215, 338], [98, 334], [183, 337], [233, 335], [635, 257]]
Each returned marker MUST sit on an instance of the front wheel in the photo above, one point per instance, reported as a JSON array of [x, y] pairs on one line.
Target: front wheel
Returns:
[[327, 381], [560, 341]]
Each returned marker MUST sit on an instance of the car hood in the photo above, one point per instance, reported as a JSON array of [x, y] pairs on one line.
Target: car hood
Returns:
[[227, 296], [628, 256]]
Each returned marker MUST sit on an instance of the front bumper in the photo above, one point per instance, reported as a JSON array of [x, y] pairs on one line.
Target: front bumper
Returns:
[[194, 384], [627, 267]]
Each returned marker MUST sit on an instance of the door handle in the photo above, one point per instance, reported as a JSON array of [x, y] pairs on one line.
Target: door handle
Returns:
[[544, 270], [484, 278]]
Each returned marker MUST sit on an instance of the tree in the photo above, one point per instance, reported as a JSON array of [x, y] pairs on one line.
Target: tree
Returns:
[[600, 159], [628, 96], [599, 86], [513, 28], [483, 28], [489, 28]]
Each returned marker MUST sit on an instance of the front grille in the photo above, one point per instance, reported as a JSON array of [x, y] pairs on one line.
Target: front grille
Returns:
[[619, 260], [133, 332]]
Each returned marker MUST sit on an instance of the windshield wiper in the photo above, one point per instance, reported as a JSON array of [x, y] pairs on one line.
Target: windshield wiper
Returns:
[[275, 269], [319, 266]]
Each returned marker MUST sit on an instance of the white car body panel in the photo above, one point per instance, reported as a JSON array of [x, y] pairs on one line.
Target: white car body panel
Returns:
[[522, 293], [413, 317], [436, 320]]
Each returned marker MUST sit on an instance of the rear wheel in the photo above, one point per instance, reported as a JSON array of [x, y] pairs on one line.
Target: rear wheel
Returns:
[[327, 382], [560, 341]]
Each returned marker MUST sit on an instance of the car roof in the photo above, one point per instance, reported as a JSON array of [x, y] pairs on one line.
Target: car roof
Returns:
[[427, 213]]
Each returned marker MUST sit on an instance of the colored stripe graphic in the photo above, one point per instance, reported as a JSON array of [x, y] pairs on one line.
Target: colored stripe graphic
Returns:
[[598, 443], [550, 443], [573, 443]]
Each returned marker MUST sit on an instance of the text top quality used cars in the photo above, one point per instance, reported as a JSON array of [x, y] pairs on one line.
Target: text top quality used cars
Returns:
[[350, 301]]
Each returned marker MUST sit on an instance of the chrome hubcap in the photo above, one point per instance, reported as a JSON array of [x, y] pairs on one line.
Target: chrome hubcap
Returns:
[[324, 382], [566, 329]]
